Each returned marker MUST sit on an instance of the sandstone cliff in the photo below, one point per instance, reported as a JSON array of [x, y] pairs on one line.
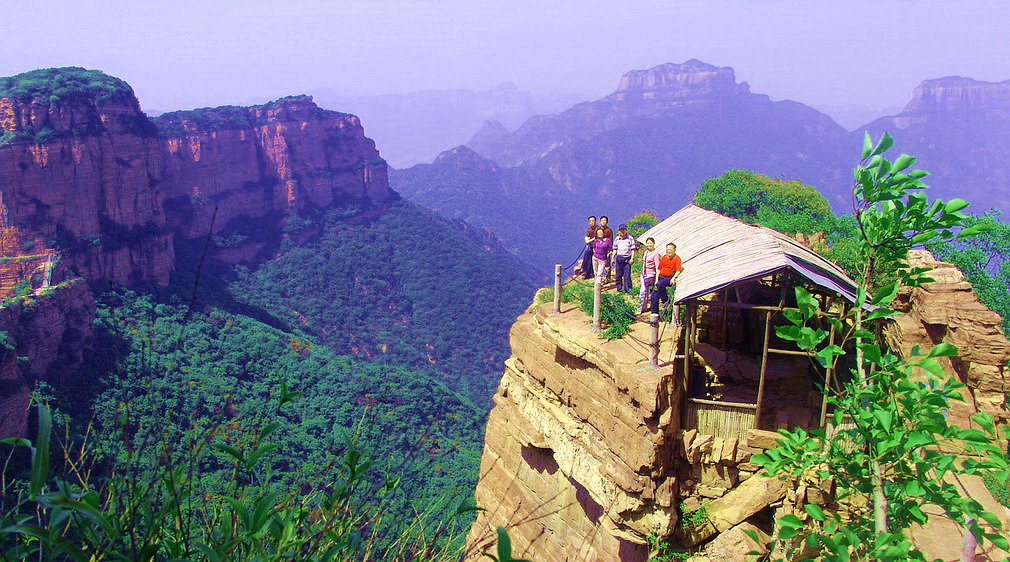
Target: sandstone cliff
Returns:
[[80, 169], [586, 455], [44, 337], [265, 161]]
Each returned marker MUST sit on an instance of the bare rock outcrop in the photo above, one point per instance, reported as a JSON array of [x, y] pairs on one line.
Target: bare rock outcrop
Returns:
[[948, 311], [579, 447]]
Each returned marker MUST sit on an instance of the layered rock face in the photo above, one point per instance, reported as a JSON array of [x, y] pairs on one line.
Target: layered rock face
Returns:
[[84, 174], [948, 311], [578, 457], [45, 337], [265, 161]]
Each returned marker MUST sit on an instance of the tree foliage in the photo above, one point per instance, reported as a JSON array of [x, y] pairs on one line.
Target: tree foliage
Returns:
[[786, 205], [886, 464]]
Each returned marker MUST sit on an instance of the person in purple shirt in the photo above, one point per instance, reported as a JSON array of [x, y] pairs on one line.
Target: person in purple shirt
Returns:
[[601, 253]]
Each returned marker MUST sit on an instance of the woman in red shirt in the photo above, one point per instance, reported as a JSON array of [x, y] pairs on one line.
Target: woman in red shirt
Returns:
[[670, 268]]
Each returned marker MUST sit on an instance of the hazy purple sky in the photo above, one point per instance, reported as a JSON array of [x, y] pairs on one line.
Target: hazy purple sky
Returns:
[[182, 53]]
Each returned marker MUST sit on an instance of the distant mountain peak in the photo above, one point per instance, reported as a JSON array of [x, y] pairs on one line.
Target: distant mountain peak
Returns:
[[463, 157], [690, 80], [958, 93]]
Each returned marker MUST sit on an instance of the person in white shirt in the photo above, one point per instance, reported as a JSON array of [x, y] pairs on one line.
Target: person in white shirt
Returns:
[[624, 257]]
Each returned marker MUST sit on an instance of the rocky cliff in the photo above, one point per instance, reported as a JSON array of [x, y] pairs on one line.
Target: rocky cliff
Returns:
[[43, 339], [585, 454], [959, 128], [265, 162], [80, 170]]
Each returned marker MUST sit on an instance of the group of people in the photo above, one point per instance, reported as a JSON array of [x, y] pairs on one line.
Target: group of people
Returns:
[[603, 250]]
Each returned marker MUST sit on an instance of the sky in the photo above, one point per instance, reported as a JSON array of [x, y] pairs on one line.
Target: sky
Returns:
[[184, 54]]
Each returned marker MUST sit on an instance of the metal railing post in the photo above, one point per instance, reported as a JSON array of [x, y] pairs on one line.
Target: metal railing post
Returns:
[[597, 296], [654, 340], [557, 289]]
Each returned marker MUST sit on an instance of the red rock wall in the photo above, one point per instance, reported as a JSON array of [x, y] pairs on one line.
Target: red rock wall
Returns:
[[46, 333], [92, 189], [292, 155]]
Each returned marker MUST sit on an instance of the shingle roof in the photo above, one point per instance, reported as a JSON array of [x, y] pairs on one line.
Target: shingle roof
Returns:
[[718, 251]]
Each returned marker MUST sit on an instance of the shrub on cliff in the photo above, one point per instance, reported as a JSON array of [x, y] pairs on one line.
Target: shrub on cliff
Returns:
[[785, 205]]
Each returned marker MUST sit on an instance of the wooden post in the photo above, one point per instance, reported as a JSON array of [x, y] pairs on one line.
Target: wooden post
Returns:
[[688, 349], [725, 320], [597, 296], [654, 340], [827, 382], [764, 367], [557, 290]]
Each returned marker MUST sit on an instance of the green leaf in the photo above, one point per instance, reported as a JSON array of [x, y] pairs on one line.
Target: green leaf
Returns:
[[1000, 542], [885, 144], [943, 350], [991, 519], [40, 454], [955, 205], [231, 451], [790, 522], [931, 365], [867, 145], [903, 161], [917, 439], [884, 295], [815, 511], [884, 417], [17, 441]]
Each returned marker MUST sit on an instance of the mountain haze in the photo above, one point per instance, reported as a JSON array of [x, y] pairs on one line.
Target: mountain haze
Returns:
[[647, 145]]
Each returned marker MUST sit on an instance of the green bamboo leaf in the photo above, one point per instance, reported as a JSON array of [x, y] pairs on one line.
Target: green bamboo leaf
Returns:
[[991, 519], [999, 541], [40, 454], [17, 441], [231, 451]]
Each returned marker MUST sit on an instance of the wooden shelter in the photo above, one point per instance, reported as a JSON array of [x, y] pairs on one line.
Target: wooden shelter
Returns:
[[736, 282]]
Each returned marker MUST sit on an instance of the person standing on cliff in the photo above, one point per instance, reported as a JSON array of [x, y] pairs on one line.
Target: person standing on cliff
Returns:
[[586, 267], [624, 257], [602, 247], [607, 233], [650, 266], [670, 268]]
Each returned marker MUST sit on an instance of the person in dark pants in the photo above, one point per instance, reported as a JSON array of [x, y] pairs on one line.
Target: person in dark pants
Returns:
[[670, 268], [587, 253], [624, 257], [609, 234]]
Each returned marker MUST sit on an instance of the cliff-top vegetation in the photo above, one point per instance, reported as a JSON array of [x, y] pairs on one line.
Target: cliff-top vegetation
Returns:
[[54, 85]]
